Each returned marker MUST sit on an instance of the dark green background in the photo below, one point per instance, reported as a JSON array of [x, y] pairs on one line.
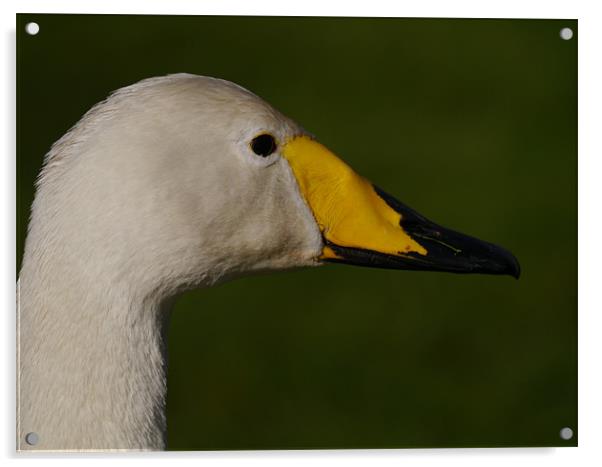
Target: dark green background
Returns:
[[471, 122]]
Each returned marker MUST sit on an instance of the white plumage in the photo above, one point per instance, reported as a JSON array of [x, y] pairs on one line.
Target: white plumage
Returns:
[[155, 191]]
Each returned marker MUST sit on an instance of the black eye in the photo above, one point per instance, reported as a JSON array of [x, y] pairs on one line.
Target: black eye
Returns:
[[263, 145]]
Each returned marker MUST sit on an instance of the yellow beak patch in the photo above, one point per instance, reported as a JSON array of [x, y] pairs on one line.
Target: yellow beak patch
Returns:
[[348, 211]]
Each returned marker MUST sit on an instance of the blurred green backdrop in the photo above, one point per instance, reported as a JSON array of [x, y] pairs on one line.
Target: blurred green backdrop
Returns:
[[471, 122]]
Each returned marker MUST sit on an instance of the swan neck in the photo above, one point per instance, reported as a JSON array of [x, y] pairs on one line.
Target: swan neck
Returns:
[[110, 392]]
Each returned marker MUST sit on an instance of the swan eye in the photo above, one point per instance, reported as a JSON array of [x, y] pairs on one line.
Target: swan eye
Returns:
[[263, 145]]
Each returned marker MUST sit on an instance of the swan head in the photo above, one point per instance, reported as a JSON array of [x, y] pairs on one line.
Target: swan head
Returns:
[[185, 180]]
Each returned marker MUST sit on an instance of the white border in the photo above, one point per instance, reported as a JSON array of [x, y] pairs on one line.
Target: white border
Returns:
[[426, 8], [590, 231]]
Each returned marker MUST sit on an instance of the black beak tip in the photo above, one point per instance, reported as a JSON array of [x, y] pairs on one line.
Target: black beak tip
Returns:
[[515, 271], [508, 264], [448, 250], [514, 268]]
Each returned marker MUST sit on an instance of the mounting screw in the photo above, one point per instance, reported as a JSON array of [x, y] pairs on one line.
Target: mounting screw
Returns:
[[566, 34], [32, 28], [32, 438], [566, 433]]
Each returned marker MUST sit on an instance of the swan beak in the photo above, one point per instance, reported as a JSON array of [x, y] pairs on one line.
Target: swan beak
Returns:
[[364, 226]]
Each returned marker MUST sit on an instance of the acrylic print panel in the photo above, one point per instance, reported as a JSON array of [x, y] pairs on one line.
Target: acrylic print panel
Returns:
[[192, 183]]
